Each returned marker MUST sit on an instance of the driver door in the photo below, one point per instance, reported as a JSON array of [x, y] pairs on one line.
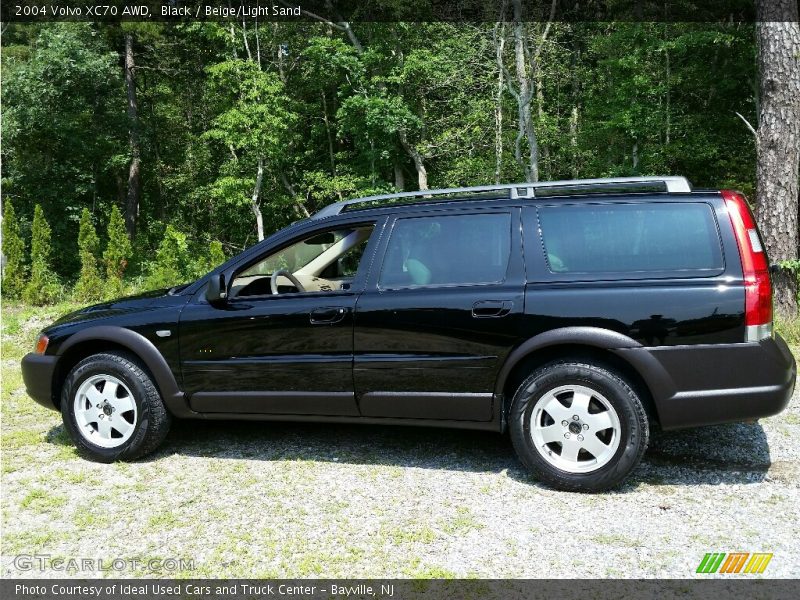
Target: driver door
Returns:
[[286, 353]]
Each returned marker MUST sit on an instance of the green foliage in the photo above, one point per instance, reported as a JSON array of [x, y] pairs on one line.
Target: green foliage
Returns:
[[793, 266], [117, 253], [90, 284], [329, 120], [376, 117], [210, 260], [789, 329], [254, 112], [14, 253], [63, 124], [173, 262], [43, 286], [254, 122], [651, 103]]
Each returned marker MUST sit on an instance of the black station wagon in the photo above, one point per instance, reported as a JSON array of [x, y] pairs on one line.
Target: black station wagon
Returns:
[[573, 314]]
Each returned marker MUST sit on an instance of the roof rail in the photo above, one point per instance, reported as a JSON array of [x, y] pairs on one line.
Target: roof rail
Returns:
[[669, 184]]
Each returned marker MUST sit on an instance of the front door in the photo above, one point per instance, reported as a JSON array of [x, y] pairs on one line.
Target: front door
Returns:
[[440, 315], [283, 342]]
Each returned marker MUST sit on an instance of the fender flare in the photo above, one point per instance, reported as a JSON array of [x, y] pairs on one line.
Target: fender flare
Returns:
[[146, 351], [656, 378], [604, 339]]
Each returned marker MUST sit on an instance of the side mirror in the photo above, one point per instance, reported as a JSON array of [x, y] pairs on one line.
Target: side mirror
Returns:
[[217, 291]]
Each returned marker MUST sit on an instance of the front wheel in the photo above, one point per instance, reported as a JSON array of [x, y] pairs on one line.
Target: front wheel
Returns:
[[578, 427], [112, 409]]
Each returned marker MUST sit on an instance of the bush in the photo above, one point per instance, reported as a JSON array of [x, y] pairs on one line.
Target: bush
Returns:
[[789, 328], [211, 260], [172, 264], [89, 285], [43, 287], [14, 252], [793, 266], [117, 254]]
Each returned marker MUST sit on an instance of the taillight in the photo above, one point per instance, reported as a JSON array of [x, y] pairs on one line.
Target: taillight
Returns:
[[41, 343], [758, 287]]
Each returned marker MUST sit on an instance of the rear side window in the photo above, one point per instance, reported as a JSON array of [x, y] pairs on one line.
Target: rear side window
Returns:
[[631, 238], [447, 250]]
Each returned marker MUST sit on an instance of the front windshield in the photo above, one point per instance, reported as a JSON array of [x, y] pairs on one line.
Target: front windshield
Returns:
[[297, 255]]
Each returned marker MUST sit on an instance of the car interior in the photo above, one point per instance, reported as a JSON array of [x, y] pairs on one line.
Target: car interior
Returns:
[[447, 250], [323, 262]]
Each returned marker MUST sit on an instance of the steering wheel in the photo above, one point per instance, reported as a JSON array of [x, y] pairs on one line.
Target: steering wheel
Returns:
[[273, 281]]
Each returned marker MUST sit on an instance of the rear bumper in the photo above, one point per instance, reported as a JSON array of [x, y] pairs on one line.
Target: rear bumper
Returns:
[[707, 385], [37, 373]]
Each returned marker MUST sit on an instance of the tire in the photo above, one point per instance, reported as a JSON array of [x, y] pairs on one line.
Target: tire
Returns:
[[112, 409], [592, 453]]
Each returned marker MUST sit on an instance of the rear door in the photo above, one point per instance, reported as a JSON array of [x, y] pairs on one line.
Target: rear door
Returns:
[[440, 313]]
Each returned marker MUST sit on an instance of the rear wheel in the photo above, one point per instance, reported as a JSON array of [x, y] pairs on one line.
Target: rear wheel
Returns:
[[112, 409], [578, 426]]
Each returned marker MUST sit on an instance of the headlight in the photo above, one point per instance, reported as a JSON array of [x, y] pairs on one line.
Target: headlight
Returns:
[[41, 343]]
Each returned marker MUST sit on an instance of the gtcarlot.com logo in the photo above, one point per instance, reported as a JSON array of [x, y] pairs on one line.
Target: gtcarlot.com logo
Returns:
[[734, 562], [46, 562]]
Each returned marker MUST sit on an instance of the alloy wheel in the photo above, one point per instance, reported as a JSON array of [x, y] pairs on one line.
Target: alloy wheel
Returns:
[[575, 428], [105, 411]]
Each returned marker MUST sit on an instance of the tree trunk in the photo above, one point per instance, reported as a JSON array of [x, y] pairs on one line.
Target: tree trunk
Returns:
[[524, 96], [544, 151], [302, 211], [399, 176], [233, 42], [419, 162], [668, 124], [255, 202], [134, 170], [246, 44], [331, 152], [500, 42], [524, 92], [575, 114], [258, 44], [778, 141], [351, 36], [122, 191]]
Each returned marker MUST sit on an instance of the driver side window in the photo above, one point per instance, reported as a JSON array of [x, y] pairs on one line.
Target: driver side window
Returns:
[[324, 261]]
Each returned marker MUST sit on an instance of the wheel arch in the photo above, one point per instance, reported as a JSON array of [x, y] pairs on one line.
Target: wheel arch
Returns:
[[593, 344], [107, 338]]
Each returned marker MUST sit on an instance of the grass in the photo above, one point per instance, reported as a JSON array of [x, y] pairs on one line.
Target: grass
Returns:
[[462, 522], [789, 328], [42, 501], [164, 520], [615, 539], [412, 534]]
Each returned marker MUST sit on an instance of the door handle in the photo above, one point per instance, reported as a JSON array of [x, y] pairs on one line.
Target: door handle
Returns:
[[327, 315], [491, 308]]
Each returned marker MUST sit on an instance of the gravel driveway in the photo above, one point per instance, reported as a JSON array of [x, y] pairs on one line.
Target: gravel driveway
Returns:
[[291, 500]]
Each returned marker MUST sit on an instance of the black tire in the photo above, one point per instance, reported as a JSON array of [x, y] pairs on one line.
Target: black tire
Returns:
[[151, 423], [631, 416]]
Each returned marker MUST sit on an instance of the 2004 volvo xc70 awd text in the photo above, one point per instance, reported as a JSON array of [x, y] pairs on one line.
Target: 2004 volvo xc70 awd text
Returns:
[[572, 314]]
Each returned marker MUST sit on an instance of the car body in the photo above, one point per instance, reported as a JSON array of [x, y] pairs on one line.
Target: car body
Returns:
[[511, 280]]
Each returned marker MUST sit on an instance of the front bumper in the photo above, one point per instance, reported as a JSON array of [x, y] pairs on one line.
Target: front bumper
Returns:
[[712, 384], [37, 373]]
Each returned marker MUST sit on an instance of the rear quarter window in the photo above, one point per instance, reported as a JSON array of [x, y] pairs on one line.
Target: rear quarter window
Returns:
[[635, 239]]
